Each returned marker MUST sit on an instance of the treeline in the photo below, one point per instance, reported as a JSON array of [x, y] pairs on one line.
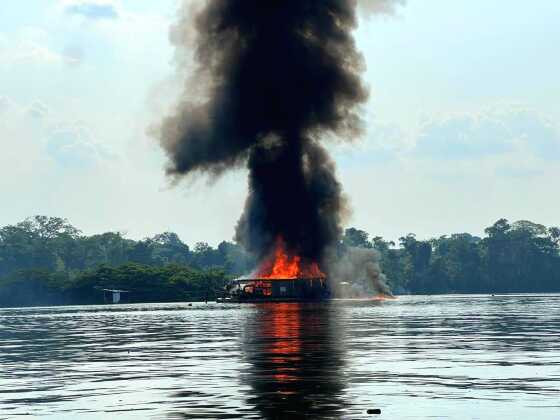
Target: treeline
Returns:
[[53, 244], [521, 257], [170, 283], [46, 260]]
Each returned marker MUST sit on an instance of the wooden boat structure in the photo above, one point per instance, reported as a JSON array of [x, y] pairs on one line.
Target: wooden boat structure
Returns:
[[247, 290]]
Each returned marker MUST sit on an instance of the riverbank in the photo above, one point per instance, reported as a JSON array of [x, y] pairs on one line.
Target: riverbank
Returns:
[[171, 283]]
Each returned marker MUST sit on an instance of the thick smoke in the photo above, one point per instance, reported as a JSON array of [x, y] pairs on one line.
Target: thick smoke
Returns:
[[359, 273], [272, 79]]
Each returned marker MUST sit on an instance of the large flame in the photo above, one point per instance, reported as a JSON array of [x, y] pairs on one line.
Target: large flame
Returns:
[[282, 265]]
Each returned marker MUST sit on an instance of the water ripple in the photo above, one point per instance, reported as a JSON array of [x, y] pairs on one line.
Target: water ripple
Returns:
[[416, 357]]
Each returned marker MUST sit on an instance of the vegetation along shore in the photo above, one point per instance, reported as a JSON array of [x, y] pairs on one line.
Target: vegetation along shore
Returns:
[[47, 261]]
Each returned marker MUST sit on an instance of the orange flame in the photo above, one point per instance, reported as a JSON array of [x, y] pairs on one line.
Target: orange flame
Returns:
[[281, 265]]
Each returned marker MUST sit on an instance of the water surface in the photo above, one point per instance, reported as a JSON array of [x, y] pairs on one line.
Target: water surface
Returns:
[[417, 357]]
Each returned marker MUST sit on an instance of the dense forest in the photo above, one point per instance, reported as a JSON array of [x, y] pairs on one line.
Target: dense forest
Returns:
[[46, 260]]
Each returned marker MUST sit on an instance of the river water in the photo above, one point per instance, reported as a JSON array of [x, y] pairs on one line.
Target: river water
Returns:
[[416, 357]]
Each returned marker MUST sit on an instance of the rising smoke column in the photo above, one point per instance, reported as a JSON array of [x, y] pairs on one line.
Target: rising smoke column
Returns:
[[273, 78]]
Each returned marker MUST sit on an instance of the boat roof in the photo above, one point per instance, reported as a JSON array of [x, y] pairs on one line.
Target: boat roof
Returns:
[[244, 280]]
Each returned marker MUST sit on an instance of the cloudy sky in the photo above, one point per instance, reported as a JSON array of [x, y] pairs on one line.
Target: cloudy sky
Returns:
[[463, 120]]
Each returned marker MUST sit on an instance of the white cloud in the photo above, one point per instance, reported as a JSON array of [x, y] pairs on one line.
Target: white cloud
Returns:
[[74, 54], [64, 143], [92, 9], [53, 166], [105, 28], [28, 52], [103, 173], [453, 174], [38, 110], [5, 104], [381, 7], [509, 130], [21, 157], [29, 46], [73, 146]]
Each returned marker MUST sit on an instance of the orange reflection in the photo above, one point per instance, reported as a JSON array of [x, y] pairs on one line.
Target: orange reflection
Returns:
[[283, 333]]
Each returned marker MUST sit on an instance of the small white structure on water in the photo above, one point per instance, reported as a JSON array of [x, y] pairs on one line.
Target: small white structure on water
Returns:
[[112, 295]]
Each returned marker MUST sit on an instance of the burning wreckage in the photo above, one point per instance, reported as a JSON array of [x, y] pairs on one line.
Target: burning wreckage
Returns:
[[281, 278], [286, 278], [277, 290]]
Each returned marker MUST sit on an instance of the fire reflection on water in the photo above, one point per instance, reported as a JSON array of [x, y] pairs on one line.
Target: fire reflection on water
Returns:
[[296, 361], [284, 342]]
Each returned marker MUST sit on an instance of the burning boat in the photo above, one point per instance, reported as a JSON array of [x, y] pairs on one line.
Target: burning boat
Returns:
[[277, 290], [281, 278]]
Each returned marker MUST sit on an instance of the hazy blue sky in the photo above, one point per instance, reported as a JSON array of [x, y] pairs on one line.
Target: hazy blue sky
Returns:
[[463, 121]]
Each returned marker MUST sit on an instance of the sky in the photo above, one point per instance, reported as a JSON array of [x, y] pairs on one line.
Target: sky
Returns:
[[463, 122]]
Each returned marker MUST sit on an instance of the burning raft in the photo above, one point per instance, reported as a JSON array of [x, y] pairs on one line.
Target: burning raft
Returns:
[[281, 278], [277, 290]]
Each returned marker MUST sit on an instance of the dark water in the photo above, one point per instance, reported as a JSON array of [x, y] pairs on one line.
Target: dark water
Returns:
[[416, 357]]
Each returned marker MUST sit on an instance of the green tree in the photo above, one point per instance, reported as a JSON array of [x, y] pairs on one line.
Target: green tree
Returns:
[[356, 238]]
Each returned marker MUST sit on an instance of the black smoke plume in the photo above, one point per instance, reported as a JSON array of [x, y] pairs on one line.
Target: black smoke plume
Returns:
[[273, 78]]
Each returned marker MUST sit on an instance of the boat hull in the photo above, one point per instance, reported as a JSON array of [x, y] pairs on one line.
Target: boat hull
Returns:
[[277, 290]]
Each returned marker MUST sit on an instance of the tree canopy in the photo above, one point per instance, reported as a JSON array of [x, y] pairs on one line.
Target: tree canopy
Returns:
[[46, 260]]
